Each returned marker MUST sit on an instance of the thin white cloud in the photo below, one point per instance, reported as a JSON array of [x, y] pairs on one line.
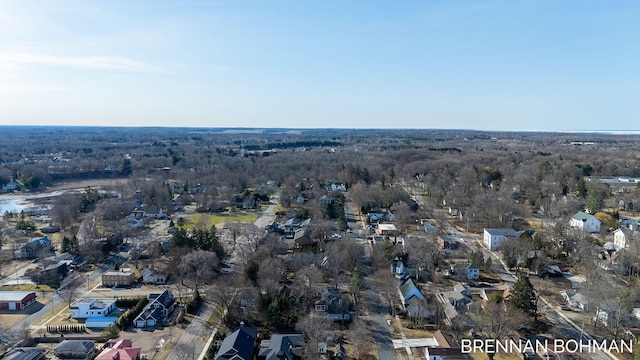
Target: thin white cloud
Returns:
[[82, 62], [27, 88]]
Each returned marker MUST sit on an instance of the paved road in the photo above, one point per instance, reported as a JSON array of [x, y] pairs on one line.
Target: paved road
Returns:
[[378, 310], [194, 338]]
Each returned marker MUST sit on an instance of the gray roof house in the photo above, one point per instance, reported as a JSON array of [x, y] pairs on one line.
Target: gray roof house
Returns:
[[459, 297], [282, 346], [334, 305], [239, 345], [466, 270], [160, 306], [409, 289], [30, 250], [25, 353], [493, 237], [75, 349]]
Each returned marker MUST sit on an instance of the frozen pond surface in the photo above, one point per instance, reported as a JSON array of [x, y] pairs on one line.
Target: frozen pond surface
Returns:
[[16, 203]]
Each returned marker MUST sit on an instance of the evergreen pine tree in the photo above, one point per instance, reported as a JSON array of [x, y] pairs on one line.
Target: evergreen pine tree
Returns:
[[523, 296]]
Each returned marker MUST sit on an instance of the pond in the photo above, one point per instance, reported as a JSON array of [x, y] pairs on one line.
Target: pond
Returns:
[[17, 203]]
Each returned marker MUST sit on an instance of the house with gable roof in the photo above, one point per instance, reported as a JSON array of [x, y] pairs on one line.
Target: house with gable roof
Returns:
[[337, 307], [31, 249], [493, 237], [302, 239], [239, 345], [397, 268], [153, 276], [585, 222], [119, 349], [467, 270], [409, 289], [458, 297], [622, 237], [282, 347], [16, 300], [290, 226], [158, 309], [413, 301]]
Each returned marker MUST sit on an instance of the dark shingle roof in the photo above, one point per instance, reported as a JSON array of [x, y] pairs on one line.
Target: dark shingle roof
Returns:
[[283, 346], [239, 345]]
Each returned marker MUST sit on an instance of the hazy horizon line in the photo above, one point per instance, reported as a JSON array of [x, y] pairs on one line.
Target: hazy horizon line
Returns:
[[249, 128]]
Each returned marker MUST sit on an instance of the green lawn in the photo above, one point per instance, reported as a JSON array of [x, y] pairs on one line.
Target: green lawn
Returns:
[[209, 220]]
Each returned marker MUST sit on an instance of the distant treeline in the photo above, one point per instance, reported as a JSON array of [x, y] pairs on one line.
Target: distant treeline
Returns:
[[295, 144], [452, 149]]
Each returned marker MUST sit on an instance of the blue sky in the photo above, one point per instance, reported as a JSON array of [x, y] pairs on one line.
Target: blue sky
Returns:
[[487, 65]]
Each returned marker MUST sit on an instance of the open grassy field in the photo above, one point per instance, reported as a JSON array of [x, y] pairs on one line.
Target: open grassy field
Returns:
[[208, 220]]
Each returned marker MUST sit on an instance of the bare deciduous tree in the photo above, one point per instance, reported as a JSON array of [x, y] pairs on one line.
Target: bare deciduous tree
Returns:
[[315, 329], [359, 335], [198, 267]]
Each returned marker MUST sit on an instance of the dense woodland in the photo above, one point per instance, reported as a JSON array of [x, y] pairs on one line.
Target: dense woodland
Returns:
[[527, 181]]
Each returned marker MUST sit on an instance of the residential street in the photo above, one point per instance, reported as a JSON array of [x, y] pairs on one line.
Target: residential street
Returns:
[[376, 304], [194, 338]]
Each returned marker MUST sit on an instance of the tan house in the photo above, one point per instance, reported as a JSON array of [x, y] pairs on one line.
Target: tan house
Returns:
[[122, 277]]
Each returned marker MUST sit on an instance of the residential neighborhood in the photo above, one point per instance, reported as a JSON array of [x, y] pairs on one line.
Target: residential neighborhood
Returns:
[[333, 267]]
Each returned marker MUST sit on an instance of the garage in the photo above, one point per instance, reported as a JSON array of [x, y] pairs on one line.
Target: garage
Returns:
[[16, 300]]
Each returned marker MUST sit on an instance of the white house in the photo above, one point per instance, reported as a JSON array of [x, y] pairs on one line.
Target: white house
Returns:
[[585, 222], [84, 308], [493, 237], [152, 276], [622, 237], [397, 268]]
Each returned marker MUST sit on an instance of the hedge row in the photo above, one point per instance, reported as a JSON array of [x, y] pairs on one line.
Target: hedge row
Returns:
[[66, 328], [128, 302], [127, 318]]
